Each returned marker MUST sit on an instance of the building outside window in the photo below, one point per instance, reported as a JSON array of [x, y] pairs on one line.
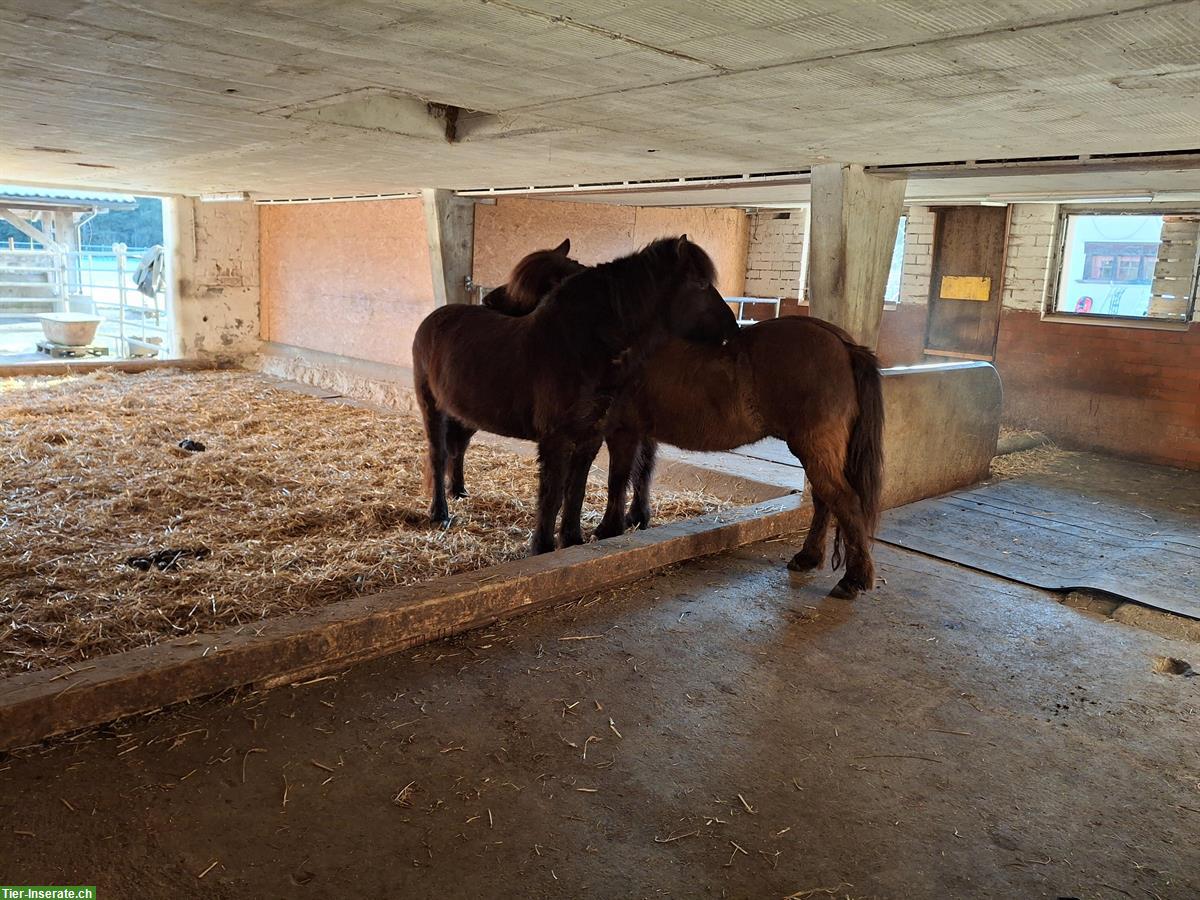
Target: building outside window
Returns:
[[1138, 265]]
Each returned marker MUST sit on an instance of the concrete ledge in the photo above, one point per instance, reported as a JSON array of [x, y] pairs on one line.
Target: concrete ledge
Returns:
[[43, 704], [385, 385]]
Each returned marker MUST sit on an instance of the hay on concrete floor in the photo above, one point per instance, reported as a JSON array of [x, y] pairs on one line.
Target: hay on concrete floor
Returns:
[[299, 501], [1034, 461]]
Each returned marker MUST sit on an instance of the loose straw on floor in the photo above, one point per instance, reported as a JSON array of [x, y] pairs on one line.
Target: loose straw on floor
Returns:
[[300, 501]]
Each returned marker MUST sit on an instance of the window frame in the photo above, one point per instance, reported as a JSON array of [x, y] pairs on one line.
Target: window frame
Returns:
[[1050, 308], [901, 222]]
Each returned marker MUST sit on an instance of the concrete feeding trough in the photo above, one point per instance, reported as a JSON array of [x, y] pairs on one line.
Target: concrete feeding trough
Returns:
[[70, 329]]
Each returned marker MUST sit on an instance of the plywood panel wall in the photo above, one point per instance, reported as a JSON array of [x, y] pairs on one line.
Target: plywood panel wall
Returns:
[[515, 226], [346, 278]]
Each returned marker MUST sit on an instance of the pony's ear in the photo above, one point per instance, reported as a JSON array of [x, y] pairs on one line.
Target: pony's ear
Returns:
[[685, 251], [564, 249]]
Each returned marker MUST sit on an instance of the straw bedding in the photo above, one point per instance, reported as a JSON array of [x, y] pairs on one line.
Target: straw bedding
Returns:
[[296, 502], [1034, 461]]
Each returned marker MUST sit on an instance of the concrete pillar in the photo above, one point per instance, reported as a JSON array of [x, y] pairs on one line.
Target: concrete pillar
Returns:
[[852, 233], [212, 277], [450, 230]]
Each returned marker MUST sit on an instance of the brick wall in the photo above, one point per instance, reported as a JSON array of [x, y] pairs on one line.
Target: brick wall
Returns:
[[774, 265], [918, 256], [775, 256], [1129, 391], [902, 331], [1119, 389], [1027, 266]]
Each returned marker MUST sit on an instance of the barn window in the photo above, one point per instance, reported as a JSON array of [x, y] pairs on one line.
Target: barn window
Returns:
[[1138, 264], [891, 293]]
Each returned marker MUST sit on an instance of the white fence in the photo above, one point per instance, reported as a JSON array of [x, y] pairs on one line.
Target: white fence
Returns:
[[101, 283]]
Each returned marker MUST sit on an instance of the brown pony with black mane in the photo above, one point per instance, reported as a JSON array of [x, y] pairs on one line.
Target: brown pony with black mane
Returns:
[[552, 375], [797, 378]]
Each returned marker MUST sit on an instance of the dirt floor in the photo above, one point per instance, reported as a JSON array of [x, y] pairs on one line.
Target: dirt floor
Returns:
[[716, 731], [114, 536]]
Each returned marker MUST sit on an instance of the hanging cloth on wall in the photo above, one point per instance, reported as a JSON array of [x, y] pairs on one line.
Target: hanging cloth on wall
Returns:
[[151, 275]]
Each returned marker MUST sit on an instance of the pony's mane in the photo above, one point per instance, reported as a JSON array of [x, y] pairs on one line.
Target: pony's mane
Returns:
[[537, 274], [621, 278], [617, 299], [665, 248]]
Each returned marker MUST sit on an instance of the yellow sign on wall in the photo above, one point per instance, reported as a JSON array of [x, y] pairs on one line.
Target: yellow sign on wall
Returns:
[[965, 287]]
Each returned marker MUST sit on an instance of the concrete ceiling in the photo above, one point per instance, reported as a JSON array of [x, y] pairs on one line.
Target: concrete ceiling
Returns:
[[323, 97]]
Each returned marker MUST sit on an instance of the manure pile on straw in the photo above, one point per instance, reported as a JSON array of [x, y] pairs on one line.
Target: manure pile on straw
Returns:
[[296, 502]]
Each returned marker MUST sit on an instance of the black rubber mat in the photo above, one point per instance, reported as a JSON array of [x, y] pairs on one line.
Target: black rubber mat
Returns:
[[1092, 523]]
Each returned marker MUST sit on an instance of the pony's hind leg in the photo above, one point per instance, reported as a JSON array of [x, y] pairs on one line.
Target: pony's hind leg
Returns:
[[435, 464], [623, 450], [812, 554], [643, 472], [824, 464], [570, 531], [458, 438]]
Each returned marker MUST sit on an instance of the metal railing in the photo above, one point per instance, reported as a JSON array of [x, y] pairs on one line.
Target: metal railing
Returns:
[[101, 283], [743, 302], [32, 281]]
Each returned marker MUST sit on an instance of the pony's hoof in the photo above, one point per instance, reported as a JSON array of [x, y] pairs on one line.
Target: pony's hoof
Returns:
[[638, 521], [847, 589], [803, 562], [570, 540], [458, 493], [439, 517], [607, 531], [537, 548]]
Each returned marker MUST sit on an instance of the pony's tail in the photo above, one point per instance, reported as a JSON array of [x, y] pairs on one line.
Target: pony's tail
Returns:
[[864, 455]]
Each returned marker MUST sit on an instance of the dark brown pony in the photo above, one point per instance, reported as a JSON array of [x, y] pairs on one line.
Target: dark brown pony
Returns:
[[552, 375], [799, 379]]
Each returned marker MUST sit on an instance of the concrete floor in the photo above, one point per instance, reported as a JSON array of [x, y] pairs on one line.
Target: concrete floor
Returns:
[[715, 731]]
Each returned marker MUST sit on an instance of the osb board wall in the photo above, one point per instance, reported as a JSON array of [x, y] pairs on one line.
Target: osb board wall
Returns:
[[515, 226], [724, 233], [351, 279]]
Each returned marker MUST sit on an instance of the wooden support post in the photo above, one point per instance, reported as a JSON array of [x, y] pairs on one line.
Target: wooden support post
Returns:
[[450, 229], [29, 229], [67, 236], [853, 231]]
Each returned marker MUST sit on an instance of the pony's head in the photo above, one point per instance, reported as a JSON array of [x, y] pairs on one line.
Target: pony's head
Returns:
[[532, 279], [695, 309]]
